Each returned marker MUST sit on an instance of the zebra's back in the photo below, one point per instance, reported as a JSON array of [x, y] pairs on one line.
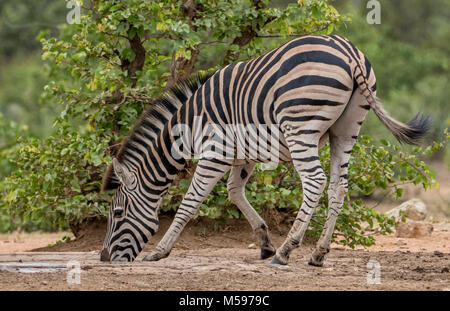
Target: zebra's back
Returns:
[[303, 85]]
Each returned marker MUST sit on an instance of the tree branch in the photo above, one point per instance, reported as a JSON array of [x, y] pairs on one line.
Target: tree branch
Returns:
[[182, 67], [247, 35]]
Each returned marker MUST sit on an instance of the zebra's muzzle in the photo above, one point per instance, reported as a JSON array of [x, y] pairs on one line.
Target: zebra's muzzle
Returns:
[[104, 255]]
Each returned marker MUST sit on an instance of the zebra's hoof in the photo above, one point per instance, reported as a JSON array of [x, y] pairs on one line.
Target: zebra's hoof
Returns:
[[266, 253], [316, 261], [154, 257], [276, 261], [151, 258]]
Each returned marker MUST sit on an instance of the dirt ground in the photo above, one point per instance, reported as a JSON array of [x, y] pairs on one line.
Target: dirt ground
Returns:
[[226, 259], [21, 241], [204, 259]]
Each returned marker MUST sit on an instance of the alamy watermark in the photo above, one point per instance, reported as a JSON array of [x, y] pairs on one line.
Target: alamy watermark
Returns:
[[74, 15], [74, 272], [232, 141], [374, 15], [373, 272]]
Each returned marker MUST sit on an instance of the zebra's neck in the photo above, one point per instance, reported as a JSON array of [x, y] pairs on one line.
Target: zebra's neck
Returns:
[[167, 154], [147, 148]]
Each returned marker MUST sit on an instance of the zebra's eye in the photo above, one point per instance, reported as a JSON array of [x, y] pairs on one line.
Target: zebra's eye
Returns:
[[118, 212]]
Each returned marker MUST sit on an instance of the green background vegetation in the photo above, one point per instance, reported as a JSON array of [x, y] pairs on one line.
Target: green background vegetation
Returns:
[[69, 93]]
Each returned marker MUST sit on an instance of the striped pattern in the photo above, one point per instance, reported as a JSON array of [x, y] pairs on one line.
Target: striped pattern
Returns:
[[312, 89]]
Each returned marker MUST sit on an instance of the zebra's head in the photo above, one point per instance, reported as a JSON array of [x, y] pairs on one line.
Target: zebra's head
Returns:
[[132, 218]]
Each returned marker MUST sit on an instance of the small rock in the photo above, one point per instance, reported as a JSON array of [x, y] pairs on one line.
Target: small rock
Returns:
[[414, 209], [419, 269], [252, 245], [413, 229], [400, 242], [445, 269], [438, 253]]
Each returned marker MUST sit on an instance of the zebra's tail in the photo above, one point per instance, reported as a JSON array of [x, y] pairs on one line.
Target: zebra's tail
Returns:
[[410, 133]]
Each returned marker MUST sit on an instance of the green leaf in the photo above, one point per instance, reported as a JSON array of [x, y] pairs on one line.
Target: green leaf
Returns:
[[128, 54]]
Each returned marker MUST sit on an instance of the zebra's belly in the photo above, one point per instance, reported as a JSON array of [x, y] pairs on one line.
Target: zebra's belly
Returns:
[[283, 155], [262, 150], [259, 147]]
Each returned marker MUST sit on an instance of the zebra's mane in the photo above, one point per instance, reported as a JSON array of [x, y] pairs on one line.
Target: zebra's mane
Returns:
[[153, 120]]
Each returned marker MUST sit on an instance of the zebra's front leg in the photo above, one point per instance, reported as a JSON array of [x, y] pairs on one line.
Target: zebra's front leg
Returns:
[[239, 176], [307, 164], [340, 148], [207, 174]]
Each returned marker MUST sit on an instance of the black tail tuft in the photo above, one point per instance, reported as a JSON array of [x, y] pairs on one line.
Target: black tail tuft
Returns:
[[417, 128], [410, 133]]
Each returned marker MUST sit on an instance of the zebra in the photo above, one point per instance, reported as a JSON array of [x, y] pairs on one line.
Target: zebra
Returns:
[[314, 88]]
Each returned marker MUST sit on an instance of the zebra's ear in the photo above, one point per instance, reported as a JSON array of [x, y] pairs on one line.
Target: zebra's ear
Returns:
[[122, 172], [110, 180]]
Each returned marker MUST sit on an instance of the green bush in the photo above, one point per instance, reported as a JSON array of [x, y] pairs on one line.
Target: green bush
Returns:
[[9, 131], [49, 190]]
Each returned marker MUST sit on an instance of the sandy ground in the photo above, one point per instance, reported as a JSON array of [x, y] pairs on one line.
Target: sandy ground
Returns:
[[208, 260], [236, 269], [21, 241]]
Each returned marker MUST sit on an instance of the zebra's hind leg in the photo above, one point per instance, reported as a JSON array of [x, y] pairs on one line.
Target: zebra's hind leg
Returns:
[[339, 149], [239, 176], [207, 174], [307, 164], [343, 135]]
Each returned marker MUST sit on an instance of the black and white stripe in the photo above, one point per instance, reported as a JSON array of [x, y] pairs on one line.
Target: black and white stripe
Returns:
[[313, 89]]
